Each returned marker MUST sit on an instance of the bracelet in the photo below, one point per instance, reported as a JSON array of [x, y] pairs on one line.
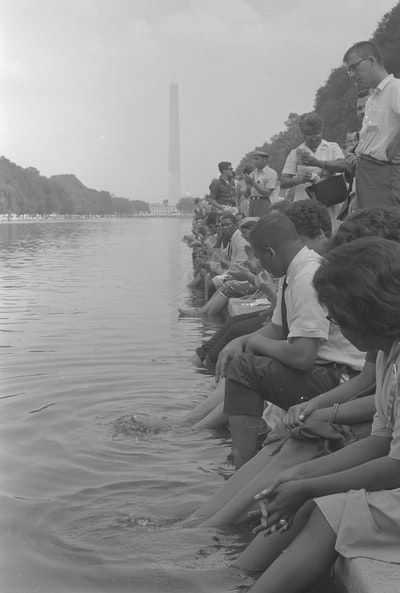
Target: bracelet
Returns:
[[333, 413]]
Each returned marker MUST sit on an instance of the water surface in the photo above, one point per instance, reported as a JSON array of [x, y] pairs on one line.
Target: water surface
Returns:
[[97, 471]]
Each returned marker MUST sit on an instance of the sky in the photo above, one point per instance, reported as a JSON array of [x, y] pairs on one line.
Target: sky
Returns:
[[85, 83]]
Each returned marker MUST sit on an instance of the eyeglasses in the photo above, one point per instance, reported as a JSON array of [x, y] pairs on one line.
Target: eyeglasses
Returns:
[[351, 68], [332, 320]]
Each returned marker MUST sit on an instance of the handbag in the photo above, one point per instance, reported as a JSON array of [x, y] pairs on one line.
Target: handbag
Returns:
[[330, 191]]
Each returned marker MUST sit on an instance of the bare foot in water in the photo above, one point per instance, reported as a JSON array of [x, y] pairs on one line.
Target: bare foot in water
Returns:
[[191, 312]]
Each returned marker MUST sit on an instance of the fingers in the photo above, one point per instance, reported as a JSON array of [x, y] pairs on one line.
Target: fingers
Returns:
[[282, 525], [297, 414], [256, 514], [221, 365], [266, 492], [263, 512], [272, 437]]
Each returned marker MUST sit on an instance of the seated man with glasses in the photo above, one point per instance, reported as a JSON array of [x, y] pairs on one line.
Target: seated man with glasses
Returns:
[[223, 190], [378, 151]]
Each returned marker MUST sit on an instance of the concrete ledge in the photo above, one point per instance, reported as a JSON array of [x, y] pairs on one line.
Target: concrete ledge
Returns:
[[363, 575]]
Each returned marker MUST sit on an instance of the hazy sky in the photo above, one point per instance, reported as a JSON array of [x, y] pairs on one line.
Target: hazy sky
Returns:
[[85, 83]]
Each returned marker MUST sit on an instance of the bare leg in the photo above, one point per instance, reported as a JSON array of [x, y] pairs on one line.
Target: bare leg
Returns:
[[235, 484], [217, 302], [264, 550], [244, 430], [196, 280], [305, 561], [215, 418], [206, 406], [209, 287], [213, 303], [252, 477]]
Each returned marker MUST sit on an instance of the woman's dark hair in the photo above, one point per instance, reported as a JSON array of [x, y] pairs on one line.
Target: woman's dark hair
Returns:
[[359, 284], [369, 222]]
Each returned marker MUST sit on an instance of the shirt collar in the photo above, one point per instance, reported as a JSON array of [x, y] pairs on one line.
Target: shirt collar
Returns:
[[322, 143], [379, 88], [299, 257]]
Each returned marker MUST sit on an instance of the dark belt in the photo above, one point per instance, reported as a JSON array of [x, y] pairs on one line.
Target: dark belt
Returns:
[[371, 159], [258, 198]]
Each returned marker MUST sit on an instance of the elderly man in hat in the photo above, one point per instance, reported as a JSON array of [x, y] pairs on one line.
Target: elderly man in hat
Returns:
[[262, 181]]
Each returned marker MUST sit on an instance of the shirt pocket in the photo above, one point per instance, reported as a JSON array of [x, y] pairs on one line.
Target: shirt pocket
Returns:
[[373, 119]]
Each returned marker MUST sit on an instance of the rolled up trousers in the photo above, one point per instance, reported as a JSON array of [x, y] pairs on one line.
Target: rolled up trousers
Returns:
[[251, 380]]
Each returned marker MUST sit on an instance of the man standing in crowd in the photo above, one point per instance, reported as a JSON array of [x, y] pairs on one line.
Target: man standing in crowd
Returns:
[[378, 151], [222, 190], [262, 181]]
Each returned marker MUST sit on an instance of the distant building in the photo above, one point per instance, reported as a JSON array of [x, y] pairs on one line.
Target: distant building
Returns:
[[163, 209]]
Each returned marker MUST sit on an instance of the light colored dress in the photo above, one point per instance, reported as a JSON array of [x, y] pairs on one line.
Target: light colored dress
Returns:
[[367, 524]]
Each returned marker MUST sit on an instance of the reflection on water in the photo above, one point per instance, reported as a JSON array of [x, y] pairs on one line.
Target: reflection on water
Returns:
[[97, 468]]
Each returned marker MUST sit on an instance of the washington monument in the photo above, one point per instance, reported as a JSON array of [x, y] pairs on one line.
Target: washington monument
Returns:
[[174, 166]]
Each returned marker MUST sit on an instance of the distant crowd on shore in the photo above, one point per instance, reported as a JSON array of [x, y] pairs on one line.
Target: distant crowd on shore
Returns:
[[305, 270]]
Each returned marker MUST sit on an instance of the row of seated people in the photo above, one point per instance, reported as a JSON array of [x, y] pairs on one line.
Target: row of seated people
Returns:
[[222, 257], [329, 357], [314, 226]]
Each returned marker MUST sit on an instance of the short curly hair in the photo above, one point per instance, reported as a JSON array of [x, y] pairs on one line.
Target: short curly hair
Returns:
[[311, 123], [310, 218], [375, 222], [359, 284]]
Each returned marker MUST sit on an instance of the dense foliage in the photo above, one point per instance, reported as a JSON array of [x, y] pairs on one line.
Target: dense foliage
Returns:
[[336, 99], [185, 205], [25, 191]]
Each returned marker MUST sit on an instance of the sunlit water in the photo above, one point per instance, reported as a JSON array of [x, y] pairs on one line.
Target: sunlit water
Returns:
[[98, 471]]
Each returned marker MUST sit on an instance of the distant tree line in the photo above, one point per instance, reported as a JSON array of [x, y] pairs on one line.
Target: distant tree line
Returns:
[[26, 191], [335, 100], [185, 205]]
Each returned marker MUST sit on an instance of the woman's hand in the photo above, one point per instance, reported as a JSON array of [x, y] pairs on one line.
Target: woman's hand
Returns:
[[283, 502], [298, 414]]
